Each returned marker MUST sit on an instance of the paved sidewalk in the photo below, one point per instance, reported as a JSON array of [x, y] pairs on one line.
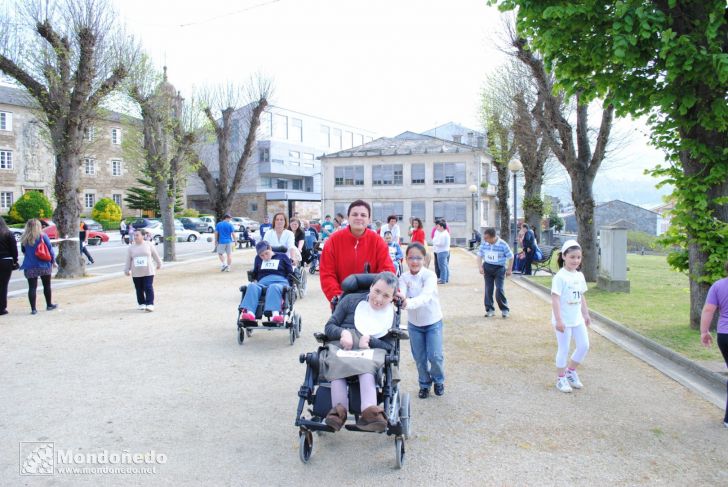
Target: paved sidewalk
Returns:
[[100, 375]]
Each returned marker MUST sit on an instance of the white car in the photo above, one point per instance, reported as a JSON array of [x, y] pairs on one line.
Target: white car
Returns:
[[183, 235], [210, 220]]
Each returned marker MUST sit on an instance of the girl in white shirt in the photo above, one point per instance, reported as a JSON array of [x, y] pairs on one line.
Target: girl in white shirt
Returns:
[[424, 320], [441, 248], [570, 316]]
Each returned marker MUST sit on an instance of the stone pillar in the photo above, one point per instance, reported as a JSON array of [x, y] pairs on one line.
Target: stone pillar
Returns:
[[613, 266]]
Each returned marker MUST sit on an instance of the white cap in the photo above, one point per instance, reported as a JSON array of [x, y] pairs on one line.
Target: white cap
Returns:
[[568, 244]]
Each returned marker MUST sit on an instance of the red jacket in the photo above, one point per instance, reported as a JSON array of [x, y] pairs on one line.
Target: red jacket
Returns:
[[344, 254]]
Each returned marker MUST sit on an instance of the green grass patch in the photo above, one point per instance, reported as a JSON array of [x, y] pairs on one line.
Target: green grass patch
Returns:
[[658, 306]]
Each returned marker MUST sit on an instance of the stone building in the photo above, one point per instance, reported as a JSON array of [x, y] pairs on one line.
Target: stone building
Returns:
[[27, 160], [633, 216], [414, 175]]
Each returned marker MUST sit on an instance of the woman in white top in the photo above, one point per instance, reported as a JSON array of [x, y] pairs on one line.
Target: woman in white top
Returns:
[[441, 248], [424, 320], [278, 235]]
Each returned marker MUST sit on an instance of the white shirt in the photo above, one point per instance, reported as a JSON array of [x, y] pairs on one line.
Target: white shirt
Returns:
[[423, 303], [441, 241], [569, 286], [287, 239], [394, 230]]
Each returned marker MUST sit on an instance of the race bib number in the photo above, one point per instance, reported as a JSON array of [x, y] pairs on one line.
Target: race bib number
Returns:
[[270, 265], [491, 257], [140, 261], [365, 354], [573, 295]]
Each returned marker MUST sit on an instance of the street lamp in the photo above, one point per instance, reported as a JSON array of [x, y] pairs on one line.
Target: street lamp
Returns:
[[515, 166], [473, 197]]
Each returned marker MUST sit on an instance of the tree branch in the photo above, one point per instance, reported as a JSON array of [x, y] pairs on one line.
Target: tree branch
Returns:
[[602, 138], [37, 90], [249, 143]]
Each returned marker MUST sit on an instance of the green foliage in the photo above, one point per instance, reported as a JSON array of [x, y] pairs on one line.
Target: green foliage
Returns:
[[533, 205], [106, 210], [189, 213], [637, 241], [32, 204], [555, 221], [144, 197]]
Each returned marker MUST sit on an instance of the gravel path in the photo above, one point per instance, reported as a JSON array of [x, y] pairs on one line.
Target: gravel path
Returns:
[[99, 375]]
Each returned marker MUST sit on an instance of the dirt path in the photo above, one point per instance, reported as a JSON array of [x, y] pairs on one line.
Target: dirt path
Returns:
[[100, 375]]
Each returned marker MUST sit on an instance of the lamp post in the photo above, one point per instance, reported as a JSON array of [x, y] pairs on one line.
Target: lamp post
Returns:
[[473, 197], [515, 166]]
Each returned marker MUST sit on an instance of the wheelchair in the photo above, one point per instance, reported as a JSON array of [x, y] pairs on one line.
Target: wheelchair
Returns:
[[312, 256], [317, 392], [292, 319]]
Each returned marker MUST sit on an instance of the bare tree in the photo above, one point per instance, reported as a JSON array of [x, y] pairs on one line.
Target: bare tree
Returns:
[[574, 153], [167, 141], [69, 55], [221, 106]]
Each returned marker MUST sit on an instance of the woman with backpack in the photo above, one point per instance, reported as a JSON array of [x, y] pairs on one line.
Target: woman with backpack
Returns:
[[39, 262]]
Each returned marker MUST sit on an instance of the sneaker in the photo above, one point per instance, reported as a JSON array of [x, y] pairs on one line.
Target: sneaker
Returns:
[[439, 389], [142, 307], [277, 319], [227, 268], [489, 314], [506, 314], [573, 379], [150, 308], [424, 393], [34, 311], [222, 268], [51, 307], [562, 384], [246, 315]]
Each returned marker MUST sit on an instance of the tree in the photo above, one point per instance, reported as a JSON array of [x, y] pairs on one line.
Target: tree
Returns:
[[69, 55], [668, 60], [220, 107], [167, 145], [105, 210], [144, 198], [32, 204]]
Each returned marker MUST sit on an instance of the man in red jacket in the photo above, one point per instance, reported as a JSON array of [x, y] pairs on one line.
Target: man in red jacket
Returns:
[[348, 251]]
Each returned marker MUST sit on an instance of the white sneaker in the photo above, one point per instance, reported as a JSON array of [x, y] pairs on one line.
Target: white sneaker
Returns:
[[150, 307], [222, 268], [573, 379], [562, 384], [227, 268], [142, 307]]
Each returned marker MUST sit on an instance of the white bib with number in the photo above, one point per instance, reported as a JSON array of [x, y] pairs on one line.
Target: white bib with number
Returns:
[[270, 265], [140, 261], [491, 257]]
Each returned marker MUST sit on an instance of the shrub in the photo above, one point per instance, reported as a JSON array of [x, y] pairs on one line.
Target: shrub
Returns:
[[189, 213], [32, 204], [106, 210]]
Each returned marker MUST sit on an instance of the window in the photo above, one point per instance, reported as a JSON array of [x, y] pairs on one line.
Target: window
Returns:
[[296, 130], [418, 174], [417, 210], [89, 133], [282, 184], [116, 167], [116, 136], [486, 210], [6, 159], [89, 167], [117, 199], [298, 184], [387, 175], [252, 206], [336, 139], [452, 211], [294, 154], [266, 124], [308, 156], [325, 136], [309, 185], [348, 140], [264, 154], [382, 210], [349, 176], [449, 173], [280, 126], [265, 183], [6, 121], [6, 200], [359, 139], [90, 200]]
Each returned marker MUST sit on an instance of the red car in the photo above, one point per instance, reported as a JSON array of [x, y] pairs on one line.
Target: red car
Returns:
[[49, 228]]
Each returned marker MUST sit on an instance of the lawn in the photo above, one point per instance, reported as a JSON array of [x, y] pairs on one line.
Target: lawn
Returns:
[[657, 306]]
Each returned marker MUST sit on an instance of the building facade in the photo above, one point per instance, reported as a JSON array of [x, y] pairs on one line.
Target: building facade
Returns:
[[635, 217], [284, 172], [27, 162], [414, 175]]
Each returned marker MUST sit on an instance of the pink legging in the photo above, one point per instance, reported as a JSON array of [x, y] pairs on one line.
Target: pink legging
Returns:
[[367, 391]]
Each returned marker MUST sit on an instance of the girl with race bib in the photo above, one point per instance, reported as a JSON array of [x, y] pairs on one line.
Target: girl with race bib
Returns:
[[570, 316], [141, 260], [271, 271]]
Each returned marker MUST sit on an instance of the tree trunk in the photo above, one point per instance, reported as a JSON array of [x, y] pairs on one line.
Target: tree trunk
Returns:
[[503, 208], [166, 207], [67, 214], [532, 203], [581, 194]]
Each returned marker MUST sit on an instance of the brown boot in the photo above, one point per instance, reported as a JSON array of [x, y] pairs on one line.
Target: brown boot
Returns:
[[372, 419], [336, 417]]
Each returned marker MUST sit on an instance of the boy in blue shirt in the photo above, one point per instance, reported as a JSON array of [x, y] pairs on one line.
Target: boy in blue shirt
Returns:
[[494, 256], [395, 251]]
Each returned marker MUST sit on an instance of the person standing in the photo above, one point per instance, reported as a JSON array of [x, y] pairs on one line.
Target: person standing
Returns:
[[141, 260], [264, 227], [717, 300], [424, 320], [494, 261], [529, 246], [441, 249], [393, 227], [8, 262], [327, 227], [569, 316], [279, 236], [129, 233], [310, 237], [122, 229], [34, 266], [225, 236], [83, 239]]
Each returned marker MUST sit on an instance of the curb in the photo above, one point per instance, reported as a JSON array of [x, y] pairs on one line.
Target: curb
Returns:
[[713, 378]]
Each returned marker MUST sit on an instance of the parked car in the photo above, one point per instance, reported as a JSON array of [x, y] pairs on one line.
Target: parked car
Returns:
[[156, 230], [194, 224], [142, 222], [210, 221], [17, 233], [240, 221], [93, 224], [49, 228], [252, 225]]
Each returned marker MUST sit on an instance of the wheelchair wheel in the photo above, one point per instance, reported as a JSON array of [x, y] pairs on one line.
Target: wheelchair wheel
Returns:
[[305, 445], [241, 335], [399, 451], [292, 334], [404, 415], [296, 324], [302, 285]]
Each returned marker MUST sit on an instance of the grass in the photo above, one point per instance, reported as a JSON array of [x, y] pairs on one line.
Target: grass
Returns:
[[657, 306]]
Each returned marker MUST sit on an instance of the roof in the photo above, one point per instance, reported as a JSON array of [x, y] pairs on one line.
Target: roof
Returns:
[[448, 130], [624, 203], [406, 143]]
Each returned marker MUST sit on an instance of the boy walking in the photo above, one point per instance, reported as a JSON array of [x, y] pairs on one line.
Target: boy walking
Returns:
[[224, 237], [494, 260]]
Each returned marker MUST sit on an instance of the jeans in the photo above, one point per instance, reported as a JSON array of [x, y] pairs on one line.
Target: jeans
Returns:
[[273, 296], [85, 252], [426, 343], [442, 264], [144, 289], [494, 275], [723, 346]]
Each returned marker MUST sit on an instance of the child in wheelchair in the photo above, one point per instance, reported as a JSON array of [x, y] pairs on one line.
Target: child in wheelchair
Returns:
[[271, 271]]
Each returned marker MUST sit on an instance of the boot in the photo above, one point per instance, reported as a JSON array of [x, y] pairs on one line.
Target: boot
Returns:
[[372, 419], [336, 417]]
